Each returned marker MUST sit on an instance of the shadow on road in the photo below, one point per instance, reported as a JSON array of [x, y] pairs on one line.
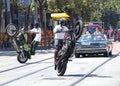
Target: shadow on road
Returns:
[[82, 75], [14, 53], [8, 53]]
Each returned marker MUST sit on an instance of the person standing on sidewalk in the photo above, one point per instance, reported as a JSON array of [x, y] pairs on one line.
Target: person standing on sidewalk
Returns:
[[4, 40], [36, 30]]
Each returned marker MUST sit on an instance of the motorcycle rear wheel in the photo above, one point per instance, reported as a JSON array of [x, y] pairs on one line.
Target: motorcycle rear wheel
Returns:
[[78, 30], [22, 58], [61, 68]]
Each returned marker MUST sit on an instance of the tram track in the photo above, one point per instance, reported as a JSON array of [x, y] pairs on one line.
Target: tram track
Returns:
[[27, 74], [25, 64], [50, 66], [93, 70]]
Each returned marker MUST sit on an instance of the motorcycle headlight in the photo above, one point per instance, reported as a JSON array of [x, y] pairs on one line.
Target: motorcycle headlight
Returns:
[[21, 46], [18, 38]]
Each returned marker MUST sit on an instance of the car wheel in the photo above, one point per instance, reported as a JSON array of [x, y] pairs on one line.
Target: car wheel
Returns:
[[77, 55], [110, 53], [83, 55], [106, 54]]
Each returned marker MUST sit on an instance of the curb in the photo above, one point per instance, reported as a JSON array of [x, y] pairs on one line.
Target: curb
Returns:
[[39, 48]]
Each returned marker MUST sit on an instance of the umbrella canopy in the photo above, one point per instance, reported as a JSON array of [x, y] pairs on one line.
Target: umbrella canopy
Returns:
[[94, 26], [59, 15]]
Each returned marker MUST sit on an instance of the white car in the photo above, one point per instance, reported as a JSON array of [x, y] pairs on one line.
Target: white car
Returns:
[[93, 44]]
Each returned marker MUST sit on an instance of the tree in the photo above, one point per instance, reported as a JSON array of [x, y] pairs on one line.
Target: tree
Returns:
[[90, 10], [13, 6], [85, 8], [109, 10], [1, 7], [17, 6], [43, 17]]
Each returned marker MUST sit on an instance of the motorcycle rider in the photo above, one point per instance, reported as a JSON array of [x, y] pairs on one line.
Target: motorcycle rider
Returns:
[[59, 35], [36, 30]]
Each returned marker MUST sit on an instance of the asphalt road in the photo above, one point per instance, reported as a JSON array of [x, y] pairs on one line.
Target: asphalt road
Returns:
[[39, 71]]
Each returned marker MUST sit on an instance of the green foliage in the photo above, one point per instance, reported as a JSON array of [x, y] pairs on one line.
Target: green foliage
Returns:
[[90, 10], [111, 17], [32, 7], [1, 6], [118, 23], [18, 5]]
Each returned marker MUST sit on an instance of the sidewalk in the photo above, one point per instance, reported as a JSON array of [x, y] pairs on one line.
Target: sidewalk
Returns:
[[116, 46], [12, 49], [14, 53]]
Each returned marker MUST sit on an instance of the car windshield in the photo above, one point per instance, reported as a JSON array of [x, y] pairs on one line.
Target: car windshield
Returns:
[[92, 38]]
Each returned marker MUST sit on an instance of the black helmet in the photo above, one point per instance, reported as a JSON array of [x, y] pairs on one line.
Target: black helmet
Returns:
[[36, 25], [62, 20]]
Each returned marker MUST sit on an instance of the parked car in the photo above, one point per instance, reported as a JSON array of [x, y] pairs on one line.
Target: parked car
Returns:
[[93, 44]]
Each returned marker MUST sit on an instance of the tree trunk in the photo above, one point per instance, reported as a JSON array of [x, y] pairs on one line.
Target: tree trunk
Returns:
[[0, 13], [43, 19], [41, 13], [1, 22], [27, 17], [11, 12]]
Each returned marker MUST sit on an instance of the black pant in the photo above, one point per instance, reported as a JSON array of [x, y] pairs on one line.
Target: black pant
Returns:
[[34, 45], [58, 46]]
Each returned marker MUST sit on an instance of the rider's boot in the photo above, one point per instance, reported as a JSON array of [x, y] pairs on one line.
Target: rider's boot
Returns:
[[29, 55], [54, 64], [55, 59]]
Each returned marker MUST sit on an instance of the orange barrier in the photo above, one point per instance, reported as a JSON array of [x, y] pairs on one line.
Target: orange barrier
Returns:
[[1, 39], [45, 40]]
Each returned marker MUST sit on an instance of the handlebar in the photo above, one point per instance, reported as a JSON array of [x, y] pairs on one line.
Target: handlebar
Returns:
[[70, 30]]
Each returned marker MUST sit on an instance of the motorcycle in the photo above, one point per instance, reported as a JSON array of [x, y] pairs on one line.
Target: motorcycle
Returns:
[[19, 42], [67, 51]]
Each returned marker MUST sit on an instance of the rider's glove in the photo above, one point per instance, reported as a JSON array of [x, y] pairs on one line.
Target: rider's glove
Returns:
[[58, 31]]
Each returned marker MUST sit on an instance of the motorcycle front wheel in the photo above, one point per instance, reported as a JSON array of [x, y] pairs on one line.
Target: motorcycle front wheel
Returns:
[[61, 68], [11, 30], [22, 57]]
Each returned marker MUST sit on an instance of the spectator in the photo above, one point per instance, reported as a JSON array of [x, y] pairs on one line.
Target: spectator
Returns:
[[50, 24], [97, 31], [87, 32], [4, 40], [110, 31]]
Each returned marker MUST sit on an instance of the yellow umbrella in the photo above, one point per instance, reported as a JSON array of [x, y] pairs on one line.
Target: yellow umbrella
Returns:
[[59, 15]]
